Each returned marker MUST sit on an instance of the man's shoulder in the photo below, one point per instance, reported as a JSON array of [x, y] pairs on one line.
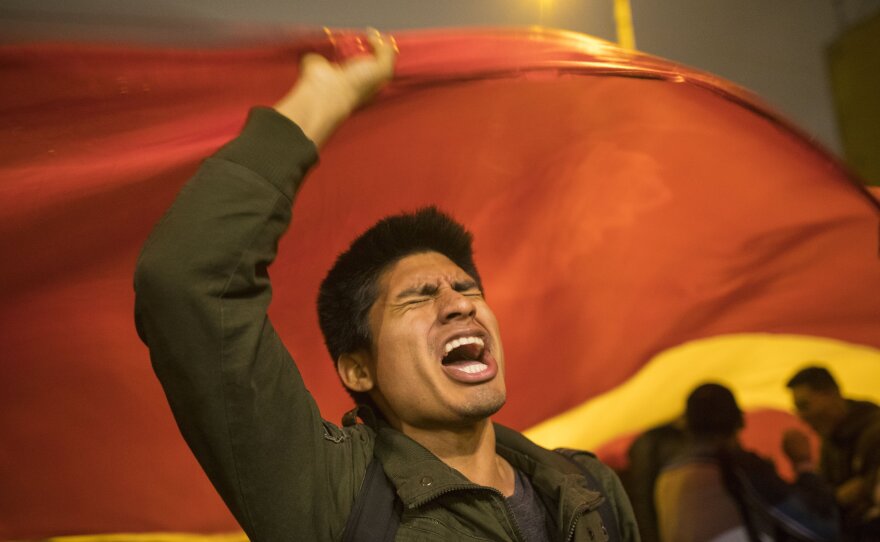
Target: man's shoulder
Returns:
[[862, 417], [861, 411], [360, 432], [870, 427], [866, 451], [586, 460], [561, 459]]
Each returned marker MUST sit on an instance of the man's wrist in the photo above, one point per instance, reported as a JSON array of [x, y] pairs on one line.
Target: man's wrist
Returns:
[[317, 113]]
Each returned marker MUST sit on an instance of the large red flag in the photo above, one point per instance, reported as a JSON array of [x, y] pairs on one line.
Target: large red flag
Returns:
[[640, 227]]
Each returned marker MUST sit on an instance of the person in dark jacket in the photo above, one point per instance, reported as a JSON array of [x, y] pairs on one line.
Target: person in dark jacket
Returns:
[[409, 330], [850, 432]]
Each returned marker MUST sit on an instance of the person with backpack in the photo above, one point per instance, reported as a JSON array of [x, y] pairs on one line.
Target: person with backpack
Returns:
[[716, 491], [413, 338]]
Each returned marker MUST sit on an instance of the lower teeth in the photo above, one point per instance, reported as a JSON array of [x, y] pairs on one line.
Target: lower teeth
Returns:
[[474, 368]]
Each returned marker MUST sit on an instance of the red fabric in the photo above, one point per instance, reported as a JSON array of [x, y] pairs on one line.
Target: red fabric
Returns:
[[614, 216]]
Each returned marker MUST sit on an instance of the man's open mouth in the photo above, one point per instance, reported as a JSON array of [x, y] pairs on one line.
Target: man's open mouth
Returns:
[[468, 360]]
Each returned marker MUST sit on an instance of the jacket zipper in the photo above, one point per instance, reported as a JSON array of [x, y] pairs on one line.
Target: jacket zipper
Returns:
[[578, 512]]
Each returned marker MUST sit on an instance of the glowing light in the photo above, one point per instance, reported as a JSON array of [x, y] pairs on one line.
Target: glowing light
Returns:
[[626, 36], [544, 7]]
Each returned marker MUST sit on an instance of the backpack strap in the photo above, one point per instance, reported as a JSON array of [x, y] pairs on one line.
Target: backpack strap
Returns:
[[375, 515], [609, 518], [733, 486]]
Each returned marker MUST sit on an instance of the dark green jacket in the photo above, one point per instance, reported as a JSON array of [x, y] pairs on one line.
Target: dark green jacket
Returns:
[[202, 295], [853, 449]]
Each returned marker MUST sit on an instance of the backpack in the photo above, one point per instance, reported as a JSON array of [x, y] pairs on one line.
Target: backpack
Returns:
[[375, 515]]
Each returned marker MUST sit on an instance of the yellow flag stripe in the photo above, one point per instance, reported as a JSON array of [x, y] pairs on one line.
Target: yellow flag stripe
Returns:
[[755, 365]]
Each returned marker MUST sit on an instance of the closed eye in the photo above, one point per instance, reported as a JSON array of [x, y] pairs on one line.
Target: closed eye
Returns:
[[468, 288]]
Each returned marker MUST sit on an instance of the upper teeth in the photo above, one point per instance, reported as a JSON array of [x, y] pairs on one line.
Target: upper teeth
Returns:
[[455, 343]]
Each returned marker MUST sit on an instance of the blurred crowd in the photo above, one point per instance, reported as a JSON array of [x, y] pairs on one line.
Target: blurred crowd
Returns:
[[691, 480]]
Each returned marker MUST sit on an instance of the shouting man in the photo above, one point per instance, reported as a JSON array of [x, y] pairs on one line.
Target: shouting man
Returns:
[[414, 341]]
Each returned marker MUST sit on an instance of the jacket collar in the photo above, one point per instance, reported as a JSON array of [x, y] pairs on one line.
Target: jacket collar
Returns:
[[419, 476]]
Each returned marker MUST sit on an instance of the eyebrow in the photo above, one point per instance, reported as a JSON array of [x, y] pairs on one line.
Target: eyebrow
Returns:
[[430, 289], [464, 285]]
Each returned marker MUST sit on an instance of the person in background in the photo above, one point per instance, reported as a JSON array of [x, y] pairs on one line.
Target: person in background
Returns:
[[718, 492], [648, 454], [850, 433]]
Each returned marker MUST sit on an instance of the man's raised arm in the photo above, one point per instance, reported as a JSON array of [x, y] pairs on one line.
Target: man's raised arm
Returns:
[[202, 294]]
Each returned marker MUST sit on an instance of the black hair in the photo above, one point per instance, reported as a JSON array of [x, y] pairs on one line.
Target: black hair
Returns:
[[814, 377], [711, 410], [351, 286]]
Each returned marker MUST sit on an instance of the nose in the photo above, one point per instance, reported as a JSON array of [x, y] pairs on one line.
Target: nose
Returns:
[[456, 306]]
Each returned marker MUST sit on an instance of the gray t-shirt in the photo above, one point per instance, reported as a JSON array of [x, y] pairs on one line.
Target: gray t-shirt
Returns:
[[528, 510]]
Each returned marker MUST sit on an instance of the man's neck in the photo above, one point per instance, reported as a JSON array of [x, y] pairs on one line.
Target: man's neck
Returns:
[[469, 450]]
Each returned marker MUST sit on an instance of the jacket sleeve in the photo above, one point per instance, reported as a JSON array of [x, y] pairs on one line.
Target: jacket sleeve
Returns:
[[202, 295]]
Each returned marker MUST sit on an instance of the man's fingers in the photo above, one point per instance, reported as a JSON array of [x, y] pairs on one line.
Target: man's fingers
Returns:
[[384, 49], [367, 74]]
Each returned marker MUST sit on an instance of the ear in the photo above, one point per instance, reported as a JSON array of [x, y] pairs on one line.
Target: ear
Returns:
[[356, 371]]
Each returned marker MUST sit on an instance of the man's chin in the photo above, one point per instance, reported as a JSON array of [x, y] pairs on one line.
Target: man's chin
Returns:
[[480, 410]]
